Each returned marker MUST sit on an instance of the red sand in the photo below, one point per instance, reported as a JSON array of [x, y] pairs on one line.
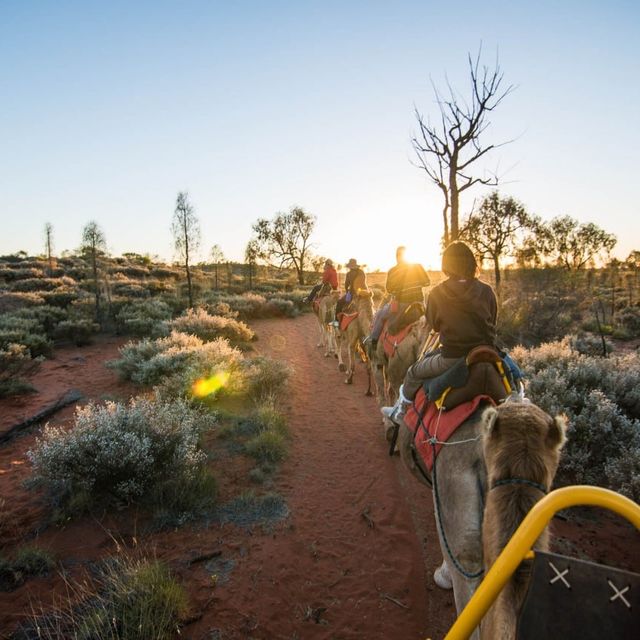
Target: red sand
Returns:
[[324, 562]]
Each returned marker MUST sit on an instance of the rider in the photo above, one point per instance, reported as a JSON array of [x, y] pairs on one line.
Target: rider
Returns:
[[355, 284], [463, 310], [329, 276], [404, 284]]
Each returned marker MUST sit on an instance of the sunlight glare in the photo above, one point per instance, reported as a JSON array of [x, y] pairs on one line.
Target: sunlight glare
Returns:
[[207, 386]]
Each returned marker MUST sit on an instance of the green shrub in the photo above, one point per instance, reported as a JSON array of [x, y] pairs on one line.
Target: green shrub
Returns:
[[601, 397], [119, 453], [144, 318], [15, 363], [27, 562], [265, 379], [42, 284], [207, 327], [130, 599], [12, 301], [61, 297], [630, 319], [77, 330], [267, 446], [37, 343]]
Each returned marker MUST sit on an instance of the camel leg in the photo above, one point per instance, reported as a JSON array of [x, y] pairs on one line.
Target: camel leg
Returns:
[[369, 391], [461, 517], [340, 340], [352, 364]]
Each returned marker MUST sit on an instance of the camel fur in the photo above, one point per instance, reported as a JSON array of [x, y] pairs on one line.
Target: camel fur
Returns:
[[352, 338], [519, 441], [325, 315], [462, 487]]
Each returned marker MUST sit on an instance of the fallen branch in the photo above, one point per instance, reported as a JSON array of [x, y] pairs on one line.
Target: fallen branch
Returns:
[[68, 398], [386, 596], [205, 556]]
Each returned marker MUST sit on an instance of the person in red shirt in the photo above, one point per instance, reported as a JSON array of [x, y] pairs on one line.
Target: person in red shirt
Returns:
[[329, 276]]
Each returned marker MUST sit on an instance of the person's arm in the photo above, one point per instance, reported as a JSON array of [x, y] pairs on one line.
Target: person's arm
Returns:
[[333, 279], [431, 313], [422, 276]]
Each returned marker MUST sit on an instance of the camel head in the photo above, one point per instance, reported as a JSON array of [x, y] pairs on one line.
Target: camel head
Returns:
[[520, 440]]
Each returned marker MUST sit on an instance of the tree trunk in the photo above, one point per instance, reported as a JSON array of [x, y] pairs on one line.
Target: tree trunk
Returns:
[[300, 276], [496, 272], [94, 264], [454, 196], [216, 266], [189, 284]]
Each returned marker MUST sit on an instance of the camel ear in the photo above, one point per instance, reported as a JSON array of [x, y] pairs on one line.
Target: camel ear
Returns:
[[557, 434], [490, 422]]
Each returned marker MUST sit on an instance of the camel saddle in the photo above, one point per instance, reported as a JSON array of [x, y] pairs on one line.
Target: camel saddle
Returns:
[[399, 325], [345, 319], [445, 402]]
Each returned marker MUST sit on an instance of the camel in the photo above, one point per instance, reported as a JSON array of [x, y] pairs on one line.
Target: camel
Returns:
[[353, 337], [519, 442], [325, 312], [390, 371], [460, 482]]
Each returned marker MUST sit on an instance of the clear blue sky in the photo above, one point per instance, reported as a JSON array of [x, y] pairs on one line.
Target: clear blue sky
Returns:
[[108, 109]]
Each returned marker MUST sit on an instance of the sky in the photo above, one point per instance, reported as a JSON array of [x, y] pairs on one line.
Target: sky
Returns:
[[108, 109]]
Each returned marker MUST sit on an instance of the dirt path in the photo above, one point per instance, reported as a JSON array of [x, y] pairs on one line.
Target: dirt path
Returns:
[[367, 581]]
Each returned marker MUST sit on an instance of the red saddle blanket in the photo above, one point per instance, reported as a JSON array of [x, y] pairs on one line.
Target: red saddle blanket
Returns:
[[346, 319], [390, 343], [442, 425]]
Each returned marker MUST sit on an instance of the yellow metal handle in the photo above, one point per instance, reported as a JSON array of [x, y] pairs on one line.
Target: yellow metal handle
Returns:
[[524, 538]]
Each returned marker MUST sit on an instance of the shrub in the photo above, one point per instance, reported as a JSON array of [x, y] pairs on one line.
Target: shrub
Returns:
[[178, 356], [121, 453], [601, 397], [130, 599], [207, 327], [28, 561], [47, 316], [61, 297], [15, 363], [77, 330], [37, 343], [11, 300], [267, 446], [265, 379], [144, 318], [630, 319], [42, 284]]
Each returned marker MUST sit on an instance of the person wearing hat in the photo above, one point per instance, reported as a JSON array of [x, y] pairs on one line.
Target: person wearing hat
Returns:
[[355, 284], [329, 276], [463, 310]]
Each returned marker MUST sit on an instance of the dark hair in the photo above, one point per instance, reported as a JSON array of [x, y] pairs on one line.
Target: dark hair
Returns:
[[458, 260]]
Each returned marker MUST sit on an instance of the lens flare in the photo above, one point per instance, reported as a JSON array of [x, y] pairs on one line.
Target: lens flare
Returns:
[[207, 386]]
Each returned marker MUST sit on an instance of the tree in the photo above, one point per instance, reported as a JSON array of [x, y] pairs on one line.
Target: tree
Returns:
[[186, 235], [492, 231], [93, 247], [251, 255], [448, 150], [573, 245], [285, 239], [217, 257], [48, 245]]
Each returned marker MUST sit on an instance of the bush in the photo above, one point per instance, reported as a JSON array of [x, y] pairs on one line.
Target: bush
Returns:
[[144, 318], [207, 327], [27, 562], [630, 320], [130, 599], [178, 356], [37, 343], [267, 446], [265, 379], [78, 331], [61, 297], [601, 397], [11, 301], [47, 316], [42, 284], [15, 363], [117, 453]]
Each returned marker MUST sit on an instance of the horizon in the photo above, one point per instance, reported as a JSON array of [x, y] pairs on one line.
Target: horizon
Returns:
[[255, 109]]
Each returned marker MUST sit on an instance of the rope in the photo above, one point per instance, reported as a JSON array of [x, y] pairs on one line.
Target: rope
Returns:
[[531, 483]]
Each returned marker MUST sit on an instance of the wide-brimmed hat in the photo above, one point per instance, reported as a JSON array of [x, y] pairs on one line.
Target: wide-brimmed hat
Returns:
[[329, 262], [352, 264]]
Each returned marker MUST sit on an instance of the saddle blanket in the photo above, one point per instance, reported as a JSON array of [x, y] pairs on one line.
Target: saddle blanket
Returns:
[[391, 342], [346, 319], [434, 422]]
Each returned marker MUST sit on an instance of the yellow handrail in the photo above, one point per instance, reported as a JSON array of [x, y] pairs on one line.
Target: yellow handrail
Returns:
[[524, 538]]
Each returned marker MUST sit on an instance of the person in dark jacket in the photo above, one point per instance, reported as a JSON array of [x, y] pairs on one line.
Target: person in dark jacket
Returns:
[[404, 284], [355, 285], [463, 310]]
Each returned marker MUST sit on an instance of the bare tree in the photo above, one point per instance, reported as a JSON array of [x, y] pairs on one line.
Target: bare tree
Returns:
[[448, 150], [251, 255], [285, 239], [217, 257], [93, 247], [48, 245], [492, 231], [186, 235]]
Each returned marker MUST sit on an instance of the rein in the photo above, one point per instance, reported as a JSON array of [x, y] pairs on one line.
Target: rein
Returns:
[[530, 483]]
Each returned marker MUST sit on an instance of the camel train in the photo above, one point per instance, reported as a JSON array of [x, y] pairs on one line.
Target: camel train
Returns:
[[488, 454]]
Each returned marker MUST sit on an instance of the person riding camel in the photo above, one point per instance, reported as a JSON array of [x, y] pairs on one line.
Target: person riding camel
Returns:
[[355, 285], [404, 284], [329, 277], [464, 312]]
